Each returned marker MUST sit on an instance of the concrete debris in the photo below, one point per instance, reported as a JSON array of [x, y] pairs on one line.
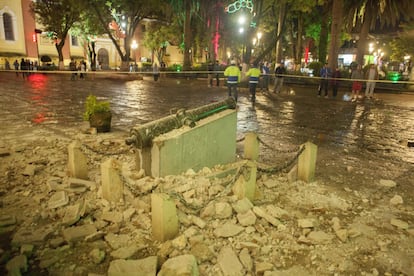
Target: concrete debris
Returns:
[[105, 225]]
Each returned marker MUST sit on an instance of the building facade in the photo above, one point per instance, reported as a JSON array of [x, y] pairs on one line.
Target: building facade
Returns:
[[22, 38]]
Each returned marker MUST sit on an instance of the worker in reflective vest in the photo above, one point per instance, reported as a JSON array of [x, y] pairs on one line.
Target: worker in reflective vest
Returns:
[[233, 78], [253, 74]]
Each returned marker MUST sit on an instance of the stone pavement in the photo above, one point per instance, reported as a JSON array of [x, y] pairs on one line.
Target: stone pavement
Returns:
[[358, 208], [293, 117]]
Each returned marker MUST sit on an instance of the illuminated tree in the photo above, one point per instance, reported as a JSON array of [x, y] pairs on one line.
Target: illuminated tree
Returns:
[[57, 17], [365, 14], [120, 18], [184, 10]]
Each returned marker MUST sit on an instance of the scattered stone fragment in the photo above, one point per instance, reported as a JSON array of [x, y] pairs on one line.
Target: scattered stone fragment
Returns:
[[115, 217], [78, 233], [184, 265], [247, 218], [242, 205], [228, 230], [202, 252], [81, 183], [58, 199], [126, 252], [147, 266], [319, 237], [223, 210], [198, 221], [117, 241], [73, 214], [261, 213], [399, 223], [396, 200], [229, 262], [32, 236], [17, 265], [387, 183], [306, 223], [246, 259], [55, 184], [261, 267], [30, 170], [97, 255], [27, 249], [6, 220], [342, 234]]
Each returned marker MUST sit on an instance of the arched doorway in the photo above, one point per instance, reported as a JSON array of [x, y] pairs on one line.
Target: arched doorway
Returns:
[[103, 59]]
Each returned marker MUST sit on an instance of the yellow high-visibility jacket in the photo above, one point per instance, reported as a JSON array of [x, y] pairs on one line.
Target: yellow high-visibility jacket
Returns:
[[254, 74], [233, 74]]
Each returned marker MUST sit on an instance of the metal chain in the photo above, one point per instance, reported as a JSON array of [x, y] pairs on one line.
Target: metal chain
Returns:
[[278, 150], [184, 202], [284, 166], [104, 153]]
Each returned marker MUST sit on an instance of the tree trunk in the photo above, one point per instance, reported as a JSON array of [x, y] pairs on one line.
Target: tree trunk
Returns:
[[323, 38], [279, 51], [187, 36], [59, 47], [335, 33], [299, 43], [363, 35]]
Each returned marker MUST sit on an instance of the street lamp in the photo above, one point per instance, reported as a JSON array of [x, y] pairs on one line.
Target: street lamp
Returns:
[[134, 46]]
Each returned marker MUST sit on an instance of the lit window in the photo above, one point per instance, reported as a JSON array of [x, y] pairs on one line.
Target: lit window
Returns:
[[8, 27], [74, 40]]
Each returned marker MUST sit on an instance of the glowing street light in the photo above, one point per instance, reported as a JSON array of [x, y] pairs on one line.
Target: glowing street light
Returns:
[[134, 46]]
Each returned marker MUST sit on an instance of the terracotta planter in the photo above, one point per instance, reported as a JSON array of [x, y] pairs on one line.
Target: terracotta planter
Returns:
[[101, 121]]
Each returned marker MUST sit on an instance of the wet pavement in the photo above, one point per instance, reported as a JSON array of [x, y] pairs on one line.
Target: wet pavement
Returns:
[[382, 126]]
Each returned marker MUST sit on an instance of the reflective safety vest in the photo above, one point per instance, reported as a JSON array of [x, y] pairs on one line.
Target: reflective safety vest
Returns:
[[233, 74], [254, 74]]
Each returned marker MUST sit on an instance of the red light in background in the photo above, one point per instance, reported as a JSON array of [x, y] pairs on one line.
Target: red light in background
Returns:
[[34, 37]]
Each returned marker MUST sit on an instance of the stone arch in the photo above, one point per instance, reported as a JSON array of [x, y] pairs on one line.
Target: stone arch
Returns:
[[103, 59]]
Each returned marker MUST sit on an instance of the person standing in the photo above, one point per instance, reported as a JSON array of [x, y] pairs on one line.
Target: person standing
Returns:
[[325, 74], [253, 73], [216, 69], [336, 75], [357, 76], [371, 76], [266, 76], [7, 65], [73, 68], [23, 67], [233, 78], [156, 71], [280, 71], [210, 68], [16, 66]]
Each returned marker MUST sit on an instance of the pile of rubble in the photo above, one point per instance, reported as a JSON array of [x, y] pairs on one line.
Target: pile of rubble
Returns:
[[55, 224]]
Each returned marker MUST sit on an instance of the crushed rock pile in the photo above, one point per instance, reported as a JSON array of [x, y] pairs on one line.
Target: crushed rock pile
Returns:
[[57, 225]]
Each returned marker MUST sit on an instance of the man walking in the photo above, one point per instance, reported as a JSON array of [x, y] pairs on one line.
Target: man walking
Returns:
[[233, 78], [325, 73], [253, 74], [279, 72]]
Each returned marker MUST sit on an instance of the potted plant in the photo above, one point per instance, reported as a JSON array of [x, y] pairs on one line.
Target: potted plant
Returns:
[[98, 113]]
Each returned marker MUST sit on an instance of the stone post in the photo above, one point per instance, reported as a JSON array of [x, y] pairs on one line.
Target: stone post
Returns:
[[112, 186], [77, 164], [245, 185], [164, 217], [251, 146], [307, 162]]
